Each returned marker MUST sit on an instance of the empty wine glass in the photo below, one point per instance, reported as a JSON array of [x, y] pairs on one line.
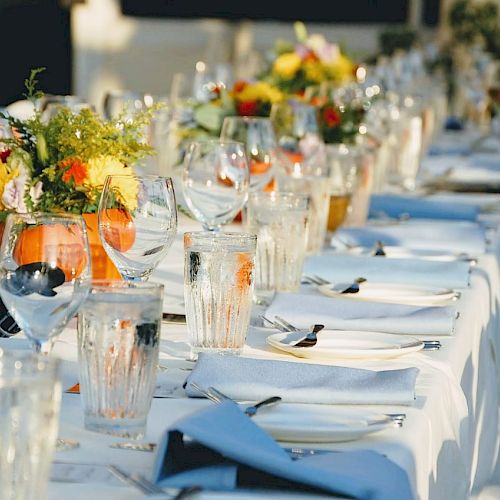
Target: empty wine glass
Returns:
[[137, 222], [215, 181], [297, 129], [50, 105], [45, 272], [257, 134]]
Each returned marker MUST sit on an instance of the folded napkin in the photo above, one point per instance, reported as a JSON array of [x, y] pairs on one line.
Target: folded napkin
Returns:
[[420, 208], [256, 379], [457, 236], [343, 314], [220, 448], [345, 268]]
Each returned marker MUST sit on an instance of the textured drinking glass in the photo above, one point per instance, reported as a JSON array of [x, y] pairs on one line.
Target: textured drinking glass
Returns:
[[312, 181], [280, 222], [218, 286], [118, 346], [215, 181], [137, 222], [30, 397], [45, 272]]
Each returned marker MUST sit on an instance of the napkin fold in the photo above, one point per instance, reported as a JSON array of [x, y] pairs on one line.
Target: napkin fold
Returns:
[[425, 272], [304, 310], [256, 379], [456, 236], [220, 448], [420, 208]]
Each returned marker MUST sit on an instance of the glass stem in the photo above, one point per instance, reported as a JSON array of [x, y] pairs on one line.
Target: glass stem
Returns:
[[43, 346]]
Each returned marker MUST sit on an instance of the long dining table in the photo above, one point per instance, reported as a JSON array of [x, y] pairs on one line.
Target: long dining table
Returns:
[[448, 443]]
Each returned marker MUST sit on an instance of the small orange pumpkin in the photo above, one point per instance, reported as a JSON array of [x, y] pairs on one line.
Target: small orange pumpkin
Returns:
[[118, 228], [43, 244]]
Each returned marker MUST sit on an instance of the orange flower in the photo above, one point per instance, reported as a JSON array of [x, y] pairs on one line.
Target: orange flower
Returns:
[[239, 86], [75, 169]]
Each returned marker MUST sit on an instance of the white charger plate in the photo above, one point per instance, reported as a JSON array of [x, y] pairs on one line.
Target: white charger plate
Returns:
[[335, 344], [391, 292], [306, 423]]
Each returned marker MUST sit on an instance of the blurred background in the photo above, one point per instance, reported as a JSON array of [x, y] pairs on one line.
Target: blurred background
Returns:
[[91, 46]]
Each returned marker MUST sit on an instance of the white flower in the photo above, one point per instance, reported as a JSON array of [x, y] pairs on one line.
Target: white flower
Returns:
[[13, 194], [35, 192], [327, 52]]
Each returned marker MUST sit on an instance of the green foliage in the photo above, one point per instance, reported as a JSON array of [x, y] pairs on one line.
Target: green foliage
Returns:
[[392, 39], [31, 83], [72, 137], [479, 22]]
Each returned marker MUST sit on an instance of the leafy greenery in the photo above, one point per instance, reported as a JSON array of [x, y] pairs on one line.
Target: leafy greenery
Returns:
[[392, 39], [30, 84], [70, 140]]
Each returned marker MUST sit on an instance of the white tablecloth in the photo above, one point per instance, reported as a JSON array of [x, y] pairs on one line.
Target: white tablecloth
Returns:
[[448, 444]]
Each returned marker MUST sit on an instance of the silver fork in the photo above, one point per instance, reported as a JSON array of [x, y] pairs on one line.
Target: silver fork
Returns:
[[251, 410], [217, 397]]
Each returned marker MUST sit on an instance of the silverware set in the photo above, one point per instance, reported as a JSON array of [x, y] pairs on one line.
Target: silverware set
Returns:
[[312, 339]]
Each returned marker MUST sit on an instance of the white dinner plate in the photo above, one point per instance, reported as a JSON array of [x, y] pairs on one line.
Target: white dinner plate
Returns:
[[395, 252], [391, 292], [334, 344], [308, 423]]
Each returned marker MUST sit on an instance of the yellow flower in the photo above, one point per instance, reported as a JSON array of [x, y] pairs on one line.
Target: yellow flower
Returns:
[[260, 91], [6, 175], [342, 69], [97, 170], [286, 65], [314, 71]]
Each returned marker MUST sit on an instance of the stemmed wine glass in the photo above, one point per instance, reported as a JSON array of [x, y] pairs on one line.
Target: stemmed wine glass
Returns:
[[137, 222], [257, 134], [215, 181], [45, 276], [298, 135], [45, 272]]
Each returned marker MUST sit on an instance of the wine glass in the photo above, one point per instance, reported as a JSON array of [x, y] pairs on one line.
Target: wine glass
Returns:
[[257, 134], [45, 272], [215, 181], [137, 222], [297, 129]]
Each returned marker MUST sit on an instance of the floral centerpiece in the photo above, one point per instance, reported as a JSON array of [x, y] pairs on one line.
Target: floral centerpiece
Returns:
[[60, 164], [310, 61], [196, 119]]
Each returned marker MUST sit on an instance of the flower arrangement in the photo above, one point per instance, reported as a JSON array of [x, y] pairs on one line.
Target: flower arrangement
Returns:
[[340, 123], [310, 61], [196, 120], [60, 165]]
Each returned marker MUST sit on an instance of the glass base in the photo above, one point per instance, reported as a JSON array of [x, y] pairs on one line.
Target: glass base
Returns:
[[224, 351], [66, 444], [127, 428]]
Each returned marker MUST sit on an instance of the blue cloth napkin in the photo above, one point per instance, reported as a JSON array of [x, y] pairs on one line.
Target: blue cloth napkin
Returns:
[[455, 236], [256, 379], [220, 448], [345, 268], [418, 208]]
